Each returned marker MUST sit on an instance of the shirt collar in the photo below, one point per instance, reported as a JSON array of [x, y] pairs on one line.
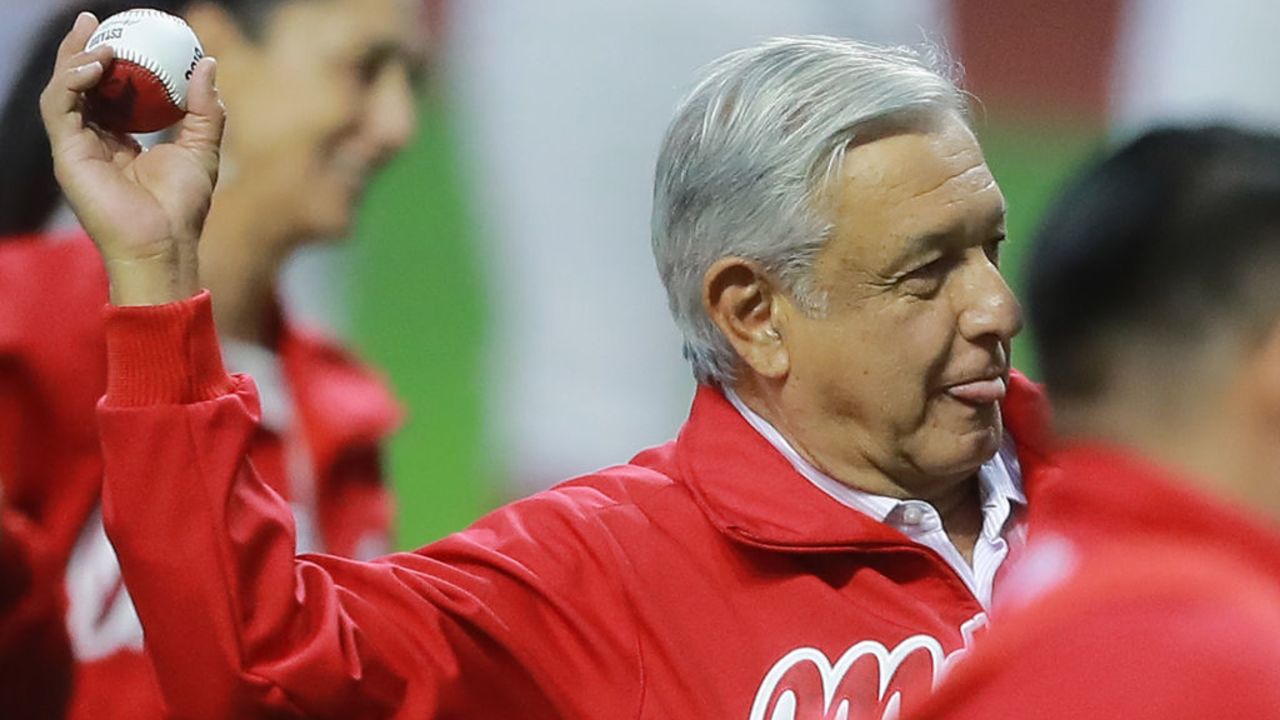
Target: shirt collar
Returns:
[[310, 383], [342, 405], [264, 366]]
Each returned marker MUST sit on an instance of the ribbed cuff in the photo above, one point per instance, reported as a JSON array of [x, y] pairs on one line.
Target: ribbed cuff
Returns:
[[164, 354]]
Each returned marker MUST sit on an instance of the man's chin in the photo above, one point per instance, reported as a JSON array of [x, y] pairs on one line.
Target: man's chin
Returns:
[[968, 450], [332, 224], [980, 444]]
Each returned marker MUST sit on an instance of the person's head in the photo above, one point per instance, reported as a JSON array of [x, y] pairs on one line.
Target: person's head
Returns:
[[827, 231], [1154, 300], [318, 92]]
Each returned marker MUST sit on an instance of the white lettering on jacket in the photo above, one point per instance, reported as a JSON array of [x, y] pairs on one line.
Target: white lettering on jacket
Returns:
[[865, 678], [101, 618]]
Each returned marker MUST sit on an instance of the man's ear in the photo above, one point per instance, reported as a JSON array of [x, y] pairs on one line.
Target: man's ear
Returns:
[[742, 300]]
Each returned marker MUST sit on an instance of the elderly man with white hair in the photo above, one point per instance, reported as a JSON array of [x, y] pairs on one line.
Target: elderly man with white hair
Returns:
[[822, 538]]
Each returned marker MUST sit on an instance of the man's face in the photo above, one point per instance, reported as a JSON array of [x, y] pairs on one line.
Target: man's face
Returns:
[[905, 369], [324, 98]]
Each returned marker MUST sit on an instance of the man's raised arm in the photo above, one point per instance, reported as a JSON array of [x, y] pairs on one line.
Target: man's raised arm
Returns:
[[237, 625]]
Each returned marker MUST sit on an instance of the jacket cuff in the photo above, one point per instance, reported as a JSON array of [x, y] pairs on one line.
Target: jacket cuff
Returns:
[[164, 354]]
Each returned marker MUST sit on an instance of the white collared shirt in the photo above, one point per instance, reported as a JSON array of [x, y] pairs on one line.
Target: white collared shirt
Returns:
[[1000, 484], [275, 397]]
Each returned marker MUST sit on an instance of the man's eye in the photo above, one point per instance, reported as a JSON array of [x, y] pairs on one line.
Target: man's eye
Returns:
[[934, 268], [370, 65], [927, 279], [368, 69]]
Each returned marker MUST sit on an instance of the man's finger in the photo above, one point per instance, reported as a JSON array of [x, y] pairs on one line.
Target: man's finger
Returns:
[[84, 78], [202, 93], [59, 101], [104, 54], [74, 74], [201, 129], [83, 29]]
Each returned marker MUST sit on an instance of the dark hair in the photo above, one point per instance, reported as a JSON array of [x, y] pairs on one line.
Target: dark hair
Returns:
[[1164, 242], [29, 194]]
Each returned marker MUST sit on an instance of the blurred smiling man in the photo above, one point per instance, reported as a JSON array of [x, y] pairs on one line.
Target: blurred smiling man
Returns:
[[822, 538], [323, 92]]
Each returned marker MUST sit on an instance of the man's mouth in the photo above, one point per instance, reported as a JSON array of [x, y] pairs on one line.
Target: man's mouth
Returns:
[[353, 172], [979, 392]]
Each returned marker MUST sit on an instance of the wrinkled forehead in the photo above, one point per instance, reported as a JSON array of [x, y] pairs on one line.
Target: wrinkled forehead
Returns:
[[906, 182]]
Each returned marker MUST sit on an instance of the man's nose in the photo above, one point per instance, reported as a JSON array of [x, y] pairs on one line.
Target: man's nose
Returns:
[[391, 115], [990, 307]]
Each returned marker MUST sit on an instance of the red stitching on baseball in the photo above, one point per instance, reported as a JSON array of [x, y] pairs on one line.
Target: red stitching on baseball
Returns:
[[132, 99]]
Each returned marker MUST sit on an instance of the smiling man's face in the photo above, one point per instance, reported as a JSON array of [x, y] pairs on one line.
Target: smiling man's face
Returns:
[[906, 368]]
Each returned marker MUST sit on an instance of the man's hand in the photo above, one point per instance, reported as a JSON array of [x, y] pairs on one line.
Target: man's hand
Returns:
[[144, 209]]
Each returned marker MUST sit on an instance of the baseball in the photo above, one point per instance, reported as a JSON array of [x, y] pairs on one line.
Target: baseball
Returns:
[[145, 89]]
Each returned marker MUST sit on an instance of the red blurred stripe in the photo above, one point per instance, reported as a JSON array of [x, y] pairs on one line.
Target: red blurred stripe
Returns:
[[1038, 56]]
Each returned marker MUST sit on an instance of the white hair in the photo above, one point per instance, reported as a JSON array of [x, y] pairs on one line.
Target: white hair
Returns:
[[749, 151]]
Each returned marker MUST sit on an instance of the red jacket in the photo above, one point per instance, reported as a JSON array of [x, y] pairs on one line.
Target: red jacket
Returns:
[[53, 371], [35, 652], [704, 579], [1139, 598]]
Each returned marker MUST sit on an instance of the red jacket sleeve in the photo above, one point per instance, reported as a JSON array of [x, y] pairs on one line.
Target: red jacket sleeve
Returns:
[[504, 619], [35, 652]]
